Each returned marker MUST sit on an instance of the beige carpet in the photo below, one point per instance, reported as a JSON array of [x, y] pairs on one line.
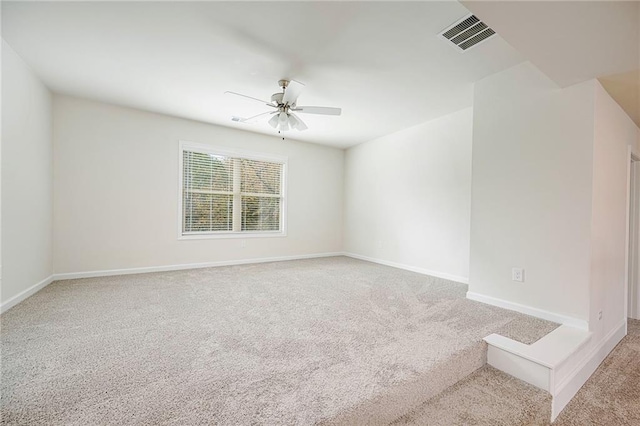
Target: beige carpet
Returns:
[[611, 397], [332, 340], [487, 397]]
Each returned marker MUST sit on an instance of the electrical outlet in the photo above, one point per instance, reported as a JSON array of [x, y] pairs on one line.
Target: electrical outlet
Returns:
[[243, 243], [599, 315], [517, 274]]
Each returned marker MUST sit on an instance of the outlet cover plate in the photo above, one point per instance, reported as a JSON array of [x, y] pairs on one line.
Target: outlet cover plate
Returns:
[[517, 274]]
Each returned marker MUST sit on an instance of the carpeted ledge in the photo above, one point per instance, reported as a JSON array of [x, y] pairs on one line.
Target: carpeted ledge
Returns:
[[487, 397], [397, 400], [490, 397], [333, 340]]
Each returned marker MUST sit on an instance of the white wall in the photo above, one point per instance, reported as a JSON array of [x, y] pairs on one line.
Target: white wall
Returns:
[[549, 193], [407, 197], [531, 191], [26, 178], [614, 133], [116, 191]]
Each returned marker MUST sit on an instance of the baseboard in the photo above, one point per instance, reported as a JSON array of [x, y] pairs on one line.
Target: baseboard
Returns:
[[529, 310], [567, 388], [25, 294], [444, 275], [144, 270]]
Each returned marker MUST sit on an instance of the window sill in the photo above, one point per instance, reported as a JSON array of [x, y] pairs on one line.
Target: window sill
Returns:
[[231, 235]]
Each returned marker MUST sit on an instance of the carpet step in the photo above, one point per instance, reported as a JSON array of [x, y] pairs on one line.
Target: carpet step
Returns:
[[487, 397], [405, 397], [318, 341]]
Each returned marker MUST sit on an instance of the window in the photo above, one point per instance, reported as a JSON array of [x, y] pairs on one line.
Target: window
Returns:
[[226, 193]]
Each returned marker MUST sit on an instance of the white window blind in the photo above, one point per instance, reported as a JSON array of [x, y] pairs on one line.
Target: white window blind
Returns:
[[230, 194], [260, 189]]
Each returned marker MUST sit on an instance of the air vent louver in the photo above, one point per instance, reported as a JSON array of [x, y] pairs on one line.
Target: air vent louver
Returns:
[[458, 28], [466, 33]]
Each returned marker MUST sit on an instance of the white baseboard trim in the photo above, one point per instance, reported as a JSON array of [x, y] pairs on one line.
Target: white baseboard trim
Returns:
[[25, 294], [529, 310], [444, 275], [144, 270], [569, 386]]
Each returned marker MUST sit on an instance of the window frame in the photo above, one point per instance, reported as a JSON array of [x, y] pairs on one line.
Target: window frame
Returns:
[[234, 153]]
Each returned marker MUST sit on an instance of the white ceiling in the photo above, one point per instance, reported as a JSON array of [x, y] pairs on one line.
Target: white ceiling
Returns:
[[575, 41], [381, 62]]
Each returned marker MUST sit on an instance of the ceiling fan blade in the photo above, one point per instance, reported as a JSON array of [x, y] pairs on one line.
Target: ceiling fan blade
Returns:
[[299, 124], [251, 97], [318, 110], [252, 120], [292, 92]]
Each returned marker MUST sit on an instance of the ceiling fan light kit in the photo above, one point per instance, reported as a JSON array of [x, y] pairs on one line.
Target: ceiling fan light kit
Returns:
[[285, 103], [274, 121]]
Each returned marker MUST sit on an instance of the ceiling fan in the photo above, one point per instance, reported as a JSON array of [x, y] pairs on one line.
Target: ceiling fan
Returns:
[[284, 108]]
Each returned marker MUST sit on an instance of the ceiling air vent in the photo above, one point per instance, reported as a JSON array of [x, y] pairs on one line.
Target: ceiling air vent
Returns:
[[466, 33]]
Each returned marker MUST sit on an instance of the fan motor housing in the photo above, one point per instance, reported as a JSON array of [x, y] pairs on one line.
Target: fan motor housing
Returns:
[[277, 98]]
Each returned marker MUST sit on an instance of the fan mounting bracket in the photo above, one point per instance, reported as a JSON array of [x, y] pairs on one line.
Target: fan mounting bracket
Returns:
[[283, 83]]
